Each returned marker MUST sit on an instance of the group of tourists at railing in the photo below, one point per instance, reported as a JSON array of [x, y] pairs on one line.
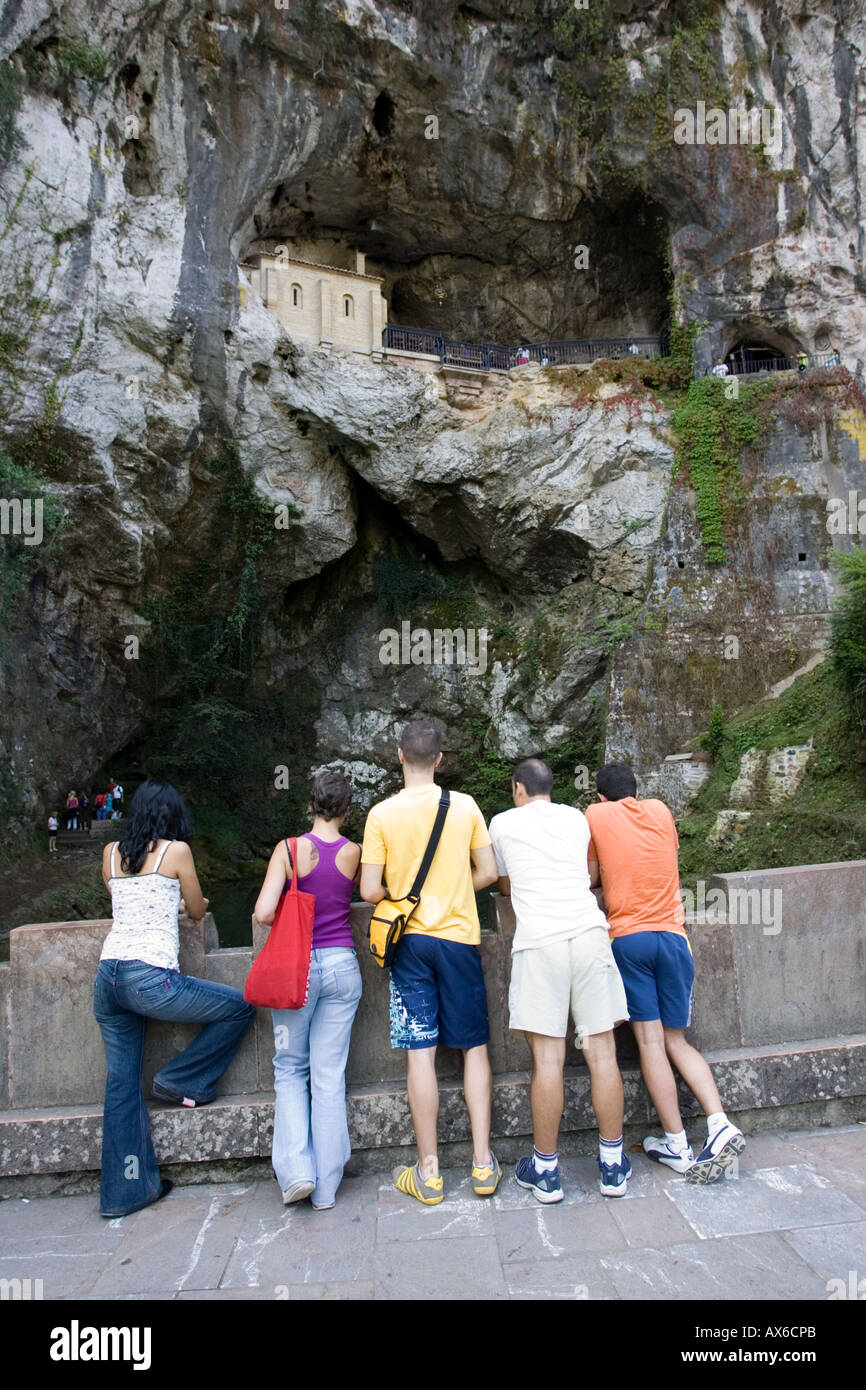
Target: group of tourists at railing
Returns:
[[425, 854], [81, 810]]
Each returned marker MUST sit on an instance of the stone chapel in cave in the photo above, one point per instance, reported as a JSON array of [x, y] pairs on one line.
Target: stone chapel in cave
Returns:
[[323, 304]]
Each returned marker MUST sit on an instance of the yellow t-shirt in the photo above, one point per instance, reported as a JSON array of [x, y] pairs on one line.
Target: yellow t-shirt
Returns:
[[396, 835]]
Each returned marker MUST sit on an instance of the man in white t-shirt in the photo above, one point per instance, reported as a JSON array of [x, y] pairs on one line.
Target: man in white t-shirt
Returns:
[[561, 959]]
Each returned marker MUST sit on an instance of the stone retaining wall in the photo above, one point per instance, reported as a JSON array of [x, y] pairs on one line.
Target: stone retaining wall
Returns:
[[780, 974]]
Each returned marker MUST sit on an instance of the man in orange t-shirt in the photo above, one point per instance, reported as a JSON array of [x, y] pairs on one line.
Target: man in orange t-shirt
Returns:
[[633, 854]]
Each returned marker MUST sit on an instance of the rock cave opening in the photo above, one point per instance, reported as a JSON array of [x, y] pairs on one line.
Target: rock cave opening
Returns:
[[470, 275], [761, 350]]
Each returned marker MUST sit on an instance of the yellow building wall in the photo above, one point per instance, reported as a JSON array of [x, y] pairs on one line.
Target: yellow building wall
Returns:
[[320, 316]]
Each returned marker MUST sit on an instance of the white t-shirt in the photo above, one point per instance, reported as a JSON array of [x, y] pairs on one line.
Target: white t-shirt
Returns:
[[541, 847]]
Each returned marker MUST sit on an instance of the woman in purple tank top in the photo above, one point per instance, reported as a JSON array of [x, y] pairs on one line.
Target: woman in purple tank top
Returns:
[[311, 1135]]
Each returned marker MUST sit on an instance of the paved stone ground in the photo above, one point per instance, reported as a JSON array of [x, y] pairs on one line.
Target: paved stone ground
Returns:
[[792, 1218]]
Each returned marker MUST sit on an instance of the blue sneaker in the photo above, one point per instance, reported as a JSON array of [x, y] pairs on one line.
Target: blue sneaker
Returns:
[[545, 1187], [614, 1177]]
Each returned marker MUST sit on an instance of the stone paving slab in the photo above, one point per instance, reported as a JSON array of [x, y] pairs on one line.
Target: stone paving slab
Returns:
[[654, 1222], [752, 1267], [793, 1218], [769, 1199], [568, 1279], [467, 1268], [192, 1253], [547, 1232], [832, 1251], [303, 1292]]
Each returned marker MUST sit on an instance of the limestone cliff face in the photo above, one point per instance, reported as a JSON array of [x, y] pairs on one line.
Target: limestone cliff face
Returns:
[[146, 149]]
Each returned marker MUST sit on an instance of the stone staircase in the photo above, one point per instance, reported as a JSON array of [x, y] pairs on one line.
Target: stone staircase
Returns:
[[91, 837]]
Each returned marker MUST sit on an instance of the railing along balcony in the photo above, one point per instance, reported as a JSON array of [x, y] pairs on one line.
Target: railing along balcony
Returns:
[[454, 352], [748, 366]]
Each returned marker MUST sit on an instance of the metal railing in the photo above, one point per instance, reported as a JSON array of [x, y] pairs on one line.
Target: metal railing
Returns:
[[738, 366], [453, 352]]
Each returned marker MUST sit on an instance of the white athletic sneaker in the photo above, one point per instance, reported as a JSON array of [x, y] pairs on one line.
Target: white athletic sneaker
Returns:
[[717, 1155], [681, 1160]]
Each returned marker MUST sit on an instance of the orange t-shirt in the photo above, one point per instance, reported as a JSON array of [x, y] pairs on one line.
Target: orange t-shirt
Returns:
[[635, 843]]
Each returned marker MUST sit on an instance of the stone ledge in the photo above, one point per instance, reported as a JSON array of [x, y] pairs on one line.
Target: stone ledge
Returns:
[[237, 1128]]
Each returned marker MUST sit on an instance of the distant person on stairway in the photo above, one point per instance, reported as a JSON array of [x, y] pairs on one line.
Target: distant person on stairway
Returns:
[[311, 1133], [561, 963], [150, 874], [72, 811], [633, 853], [52, 834], [117, 799]]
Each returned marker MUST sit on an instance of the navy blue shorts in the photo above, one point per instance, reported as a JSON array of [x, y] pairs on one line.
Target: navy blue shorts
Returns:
[[658, 972], [438, 994]]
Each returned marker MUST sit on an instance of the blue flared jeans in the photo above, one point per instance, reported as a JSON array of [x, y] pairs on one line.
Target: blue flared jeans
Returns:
[[311, 1133], [126, 993]]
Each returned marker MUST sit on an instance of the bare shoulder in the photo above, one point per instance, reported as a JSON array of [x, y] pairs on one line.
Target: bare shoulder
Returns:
[[178, 855], [350, 853]]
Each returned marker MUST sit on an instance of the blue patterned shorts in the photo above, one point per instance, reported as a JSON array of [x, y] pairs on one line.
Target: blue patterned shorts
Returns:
[[438, 994]]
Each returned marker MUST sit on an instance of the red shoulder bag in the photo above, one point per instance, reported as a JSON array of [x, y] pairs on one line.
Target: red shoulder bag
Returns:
[[280, 977]]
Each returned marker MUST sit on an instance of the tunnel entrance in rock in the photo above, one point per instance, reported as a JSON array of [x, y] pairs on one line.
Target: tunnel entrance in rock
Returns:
[[754, 356], [472, 276], [759, 347]]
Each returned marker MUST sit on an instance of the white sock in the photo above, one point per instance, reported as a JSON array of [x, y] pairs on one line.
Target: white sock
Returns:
[[610, 1150], [716, 1122], [544, 1163], [677, 1141]]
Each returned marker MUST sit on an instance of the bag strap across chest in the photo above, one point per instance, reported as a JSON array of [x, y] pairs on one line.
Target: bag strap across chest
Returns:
[[432, 844]]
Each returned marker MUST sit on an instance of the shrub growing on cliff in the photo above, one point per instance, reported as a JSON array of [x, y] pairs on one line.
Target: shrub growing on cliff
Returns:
[[712, 430], [78, 59], [10, 100], [713, 739], [18, 555], [848, 630], [204, 637]]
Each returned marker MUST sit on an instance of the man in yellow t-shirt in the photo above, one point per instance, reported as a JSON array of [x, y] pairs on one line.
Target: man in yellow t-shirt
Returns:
[[436, 986]]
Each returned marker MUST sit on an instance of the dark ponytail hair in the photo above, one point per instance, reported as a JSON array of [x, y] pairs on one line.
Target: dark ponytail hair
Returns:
[[158, 812]]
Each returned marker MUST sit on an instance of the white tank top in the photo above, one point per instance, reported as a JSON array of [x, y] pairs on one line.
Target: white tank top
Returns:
[[144, 916]]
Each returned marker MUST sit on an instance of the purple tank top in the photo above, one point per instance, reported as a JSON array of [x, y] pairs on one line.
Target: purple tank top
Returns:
[[333, 893]]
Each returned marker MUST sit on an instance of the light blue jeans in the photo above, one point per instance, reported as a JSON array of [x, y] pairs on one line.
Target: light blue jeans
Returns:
[[311, 1134]]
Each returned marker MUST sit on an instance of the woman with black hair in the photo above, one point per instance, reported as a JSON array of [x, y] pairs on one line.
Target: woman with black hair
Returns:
[[150, 874], [311, 1135]]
